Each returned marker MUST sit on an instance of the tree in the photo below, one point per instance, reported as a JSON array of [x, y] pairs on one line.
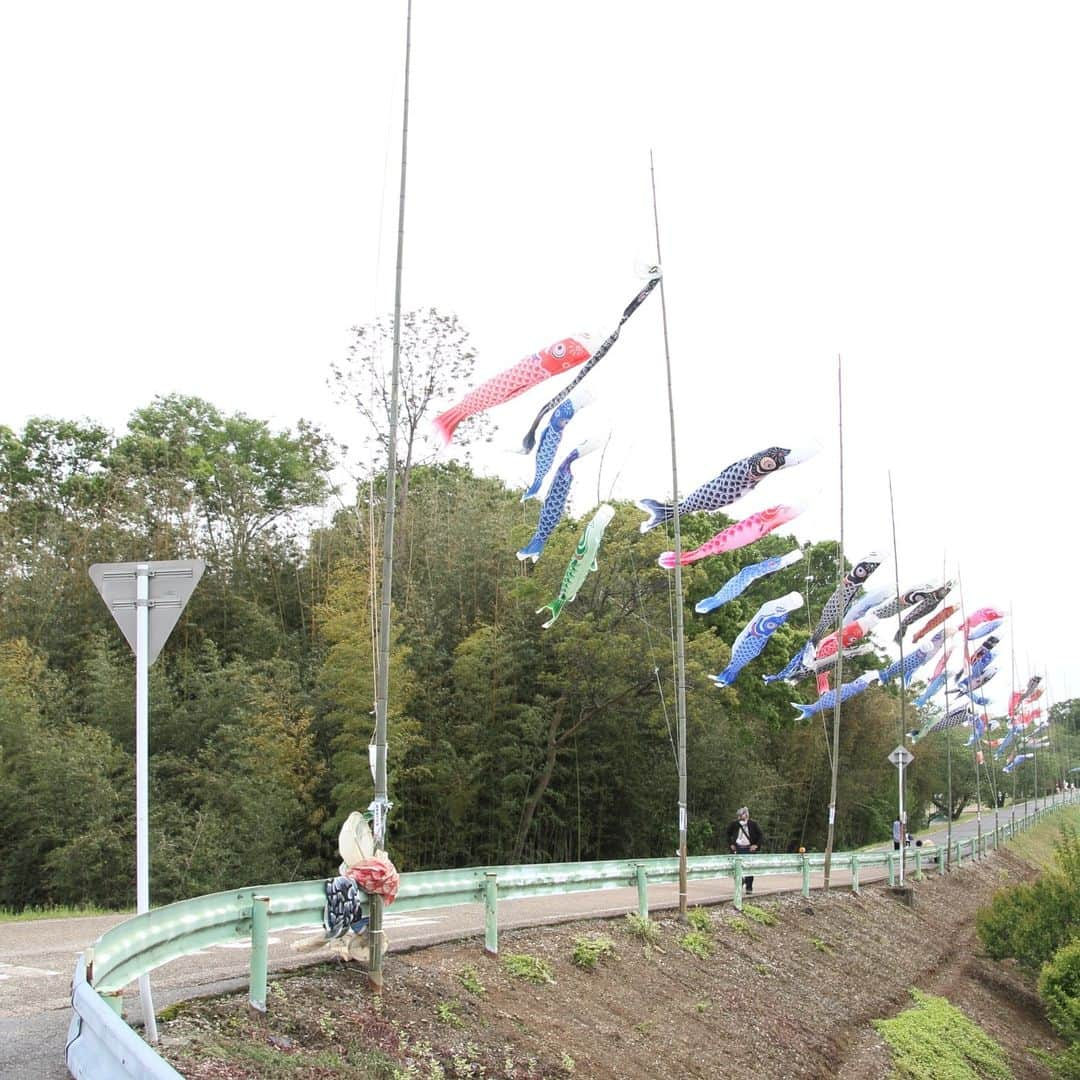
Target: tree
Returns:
[[435, 360], [214, 484]]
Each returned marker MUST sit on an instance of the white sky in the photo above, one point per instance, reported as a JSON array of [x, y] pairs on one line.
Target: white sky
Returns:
[[202, 198]]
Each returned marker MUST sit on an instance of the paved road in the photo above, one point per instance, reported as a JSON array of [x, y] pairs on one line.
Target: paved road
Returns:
[[37, 958]]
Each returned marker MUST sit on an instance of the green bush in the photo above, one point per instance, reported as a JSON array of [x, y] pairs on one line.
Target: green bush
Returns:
[[589, 951], [1031, 922], [1059, 987]]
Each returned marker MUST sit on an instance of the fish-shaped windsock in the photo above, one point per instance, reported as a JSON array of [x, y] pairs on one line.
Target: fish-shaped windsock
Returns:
[[978, 667], [1032, 686], [961, 714], [756, 633], [932, 624], [830, 661], [1006, 742], [552, 511], [862, 604], [914, 660], [986, 628], [980, 618], [530, 436], [935, 684], [738, 535], [734, 482], [976, 699], [796, 667], [923, 607], [552, 435], [904, 600], [745, 578], [582, 562], [978, 730], [844, 593], [849, 634], [1034, 696], [981, 680], [1018, 760], [828, 701], [555, 359], [987, 647]]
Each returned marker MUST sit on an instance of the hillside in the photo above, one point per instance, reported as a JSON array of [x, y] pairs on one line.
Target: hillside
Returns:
[[795, 998]]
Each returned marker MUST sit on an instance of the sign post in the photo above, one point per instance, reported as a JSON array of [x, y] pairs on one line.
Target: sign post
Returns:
[[900, 757], [146, 600]]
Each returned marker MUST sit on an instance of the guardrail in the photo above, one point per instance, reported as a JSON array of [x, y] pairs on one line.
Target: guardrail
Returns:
[[100, 1044]]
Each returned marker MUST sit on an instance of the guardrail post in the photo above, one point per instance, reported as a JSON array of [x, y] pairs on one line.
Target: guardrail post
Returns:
[[892, 868], [736, 869], [805, 874], [918, 863], [642, 891], [260, 926], [491, 913], [941, 862], [855, 874]]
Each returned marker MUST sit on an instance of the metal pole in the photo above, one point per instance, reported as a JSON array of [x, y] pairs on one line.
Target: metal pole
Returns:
[[142, 781], [839, 639], [680, 643]]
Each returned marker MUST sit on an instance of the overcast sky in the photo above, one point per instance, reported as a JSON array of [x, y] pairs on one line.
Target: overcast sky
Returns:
[[203, 198]]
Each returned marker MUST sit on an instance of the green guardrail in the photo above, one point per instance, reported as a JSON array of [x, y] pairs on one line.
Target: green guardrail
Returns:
[[144, 942]]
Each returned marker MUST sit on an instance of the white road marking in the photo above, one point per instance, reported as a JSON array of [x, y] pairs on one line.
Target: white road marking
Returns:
[[8, 970]]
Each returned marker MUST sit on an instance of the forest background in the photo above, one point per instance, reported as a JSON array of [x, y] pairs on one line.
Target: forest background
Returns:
[[508, 743]]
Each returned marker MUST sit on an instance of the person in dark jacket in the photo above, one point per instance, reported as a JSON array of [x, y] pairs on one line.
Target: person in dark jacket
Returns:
[[744, 837]]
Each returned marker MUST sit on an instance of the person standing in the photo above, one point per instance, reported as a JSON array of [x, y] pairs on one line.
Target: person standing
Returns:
[[897, 833], [744, 837]]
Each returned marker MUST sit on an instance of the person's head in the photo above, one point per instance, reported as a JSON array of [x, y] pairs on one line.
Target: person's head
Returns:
[[744, 813]]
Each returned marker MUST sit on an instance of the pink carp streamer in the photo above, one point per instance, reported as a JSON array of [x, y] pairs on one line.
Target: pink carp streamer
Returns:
[[735, 536], [554, 360]]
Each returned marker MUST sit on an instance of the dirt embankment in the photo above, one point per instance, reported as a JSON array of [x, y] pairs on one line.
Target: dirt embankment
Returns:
[[791, 999]]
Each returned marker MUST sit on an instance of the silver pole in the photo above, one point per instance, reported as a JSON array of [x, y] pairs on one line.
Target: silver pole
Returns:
[[142, 783]]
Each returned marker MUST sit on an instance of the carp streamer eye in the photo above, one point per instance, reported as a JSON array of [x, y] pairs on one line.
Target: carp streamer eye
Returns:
[[767, 464], [558, 351]]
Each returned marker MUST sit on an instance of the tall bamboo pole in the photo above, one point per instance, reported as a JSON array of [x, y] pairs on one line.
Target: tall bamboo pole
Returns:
[[380, 804], [680, 640], [839, 635]]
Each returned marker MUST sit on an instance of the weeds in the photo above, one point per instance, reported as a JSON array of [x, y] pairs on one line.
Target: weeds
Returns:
[[530, 968], [470, 979], [589, 951], [760, 915], [699, 919], [449, 1013], [642, 927], [697, 943]]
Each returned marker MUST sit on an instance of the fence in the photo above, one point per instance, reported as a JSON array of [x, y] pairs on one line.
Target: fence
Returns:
[[100, 1044]]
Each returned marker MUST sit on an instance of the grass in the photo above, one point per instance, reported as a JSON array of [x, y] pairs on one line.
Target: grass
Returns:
[[530, 968], [58, 912], [936, 1041], [589, 951]]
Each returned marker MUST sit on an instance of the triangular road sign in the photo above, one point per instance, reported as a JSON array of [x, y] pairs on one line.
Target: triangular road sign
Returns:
[[170, 586]]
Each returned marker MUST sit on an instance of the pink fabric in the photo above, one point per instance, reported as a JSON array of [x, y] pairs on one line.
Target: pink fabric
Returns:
[[376, 875]]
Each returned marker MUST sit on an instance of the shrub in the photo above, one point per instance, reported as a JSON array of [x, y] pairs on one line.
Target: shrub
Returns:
[[760, 915], [1059, 987]]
